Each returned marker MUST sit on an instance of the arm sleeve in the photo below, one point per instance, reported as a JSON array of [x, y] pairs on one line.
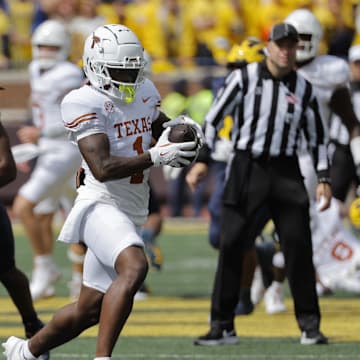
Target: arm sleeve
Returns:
[[81, 120], [73, 80], [316, 134]]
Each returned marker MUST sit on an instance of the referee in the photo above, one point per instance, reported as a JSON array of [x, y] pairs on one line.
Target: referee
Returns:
[[273, 107]]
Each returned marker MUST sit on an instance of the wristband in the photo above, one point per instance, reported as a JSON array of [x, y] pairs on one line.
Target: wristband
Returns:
[[324, 180]]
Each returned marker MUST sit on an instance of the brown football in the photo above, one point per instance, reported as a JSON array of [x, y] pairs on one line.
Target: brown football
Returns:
[[183, 133]]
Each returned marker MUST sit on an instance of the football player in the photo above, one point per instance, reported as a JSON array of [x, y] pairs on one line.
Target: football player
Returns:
[[331, 78], [51, 78], [13, 279], [112, 120]]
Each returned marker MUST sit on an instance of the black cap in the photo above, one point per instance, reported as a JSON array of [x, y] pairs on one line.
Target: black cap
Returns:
[[283, 31]]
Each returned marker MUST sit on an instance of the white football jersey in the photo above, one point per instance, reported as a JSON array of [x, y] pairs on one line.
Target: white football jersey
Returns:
[[336, 251], [326, 73], [47, 91], [88, 111]]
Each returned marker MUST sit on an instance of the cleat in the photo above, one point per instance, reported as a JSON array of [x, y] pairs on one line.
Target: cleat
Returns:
[[74, 288], [154, 255], [218, 336], [274, 299], [38, 292], [314, 337], [142, 293], [14, 348], [43, 280], [31, 330], [257, 287]]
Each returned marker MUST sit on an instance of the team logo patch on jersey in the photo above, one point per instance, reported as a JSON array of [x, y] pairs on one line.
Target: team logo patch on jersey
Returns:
[[109, 107]]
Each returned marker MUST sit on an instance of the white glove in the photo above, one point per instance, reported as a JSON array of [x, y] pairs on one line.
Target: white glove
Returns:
[[174, 154], [182, 119], [171, 173], [222, 151]]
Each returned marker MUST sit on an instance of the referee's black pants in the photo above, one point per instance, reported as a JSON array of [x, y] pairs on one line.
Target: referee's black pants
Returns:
[[278, 184]]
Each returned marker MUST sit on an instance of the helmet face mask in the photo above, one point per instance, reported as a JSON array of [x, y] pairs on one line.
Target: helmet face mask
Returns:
[[310, 33], [114, 61], [50, 43]]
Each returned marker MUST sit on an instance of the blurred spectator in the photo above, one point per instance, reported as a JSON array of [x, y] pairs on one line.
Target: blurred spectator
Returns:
[[274, 11], [4, 35], [39, 16], [342, 33], [213, 23], [114, 12], [21, 16], [178, 35], [142, 17], [63, 10], [81, 25]]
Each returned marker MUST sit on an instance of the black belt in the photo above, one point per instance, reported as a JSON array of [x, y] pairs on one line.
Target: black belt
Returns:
[[265, 157], [345, 147]]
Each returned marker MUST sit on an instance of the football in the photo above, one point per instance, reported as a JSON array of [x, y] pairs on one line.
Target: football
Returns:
[[183, 133]]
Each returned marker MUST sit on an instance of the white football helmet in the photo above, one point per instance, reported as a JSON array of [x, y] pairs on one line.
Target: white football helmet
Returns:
[[310, 33], [50, 33], [113, 61]]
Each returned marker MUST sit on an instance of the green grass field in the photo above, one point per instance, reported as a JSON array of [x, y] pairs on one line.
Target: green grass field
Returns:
[[163, 326]]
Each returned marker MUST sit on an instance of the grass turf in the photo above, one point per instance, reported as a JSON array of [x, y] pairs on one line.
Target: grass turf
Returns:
[[164, 326]]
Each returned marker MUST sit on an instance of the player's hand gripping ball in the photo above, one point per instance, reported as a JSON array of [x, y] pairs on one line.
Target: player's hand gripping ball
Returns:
[[184, 133]]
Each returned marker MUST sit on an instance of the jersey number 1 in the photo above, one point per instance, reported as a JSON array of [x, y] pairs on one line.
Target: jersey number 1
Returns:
[[138, 177]]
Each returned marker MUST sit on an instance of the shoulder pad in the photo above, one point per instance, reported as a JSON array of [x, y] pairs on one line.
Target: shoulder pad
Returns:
[[327, 71]]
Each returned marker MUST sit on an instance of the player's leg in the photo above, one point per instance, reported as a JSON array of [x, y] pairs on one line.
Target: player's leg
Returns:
[[35, 204], [45, 273], [290, 211], [131, 266], [76, 254], [150, 231], [215, 203], [250, 261], [115, 242], [24, 210], [274, 294], [118, 247], [14, 280], [68, 322]]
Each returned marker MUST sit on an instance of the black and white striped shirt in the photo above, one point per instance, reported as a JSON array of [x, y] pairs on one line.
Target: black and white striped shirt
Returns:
[[269, 114]]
